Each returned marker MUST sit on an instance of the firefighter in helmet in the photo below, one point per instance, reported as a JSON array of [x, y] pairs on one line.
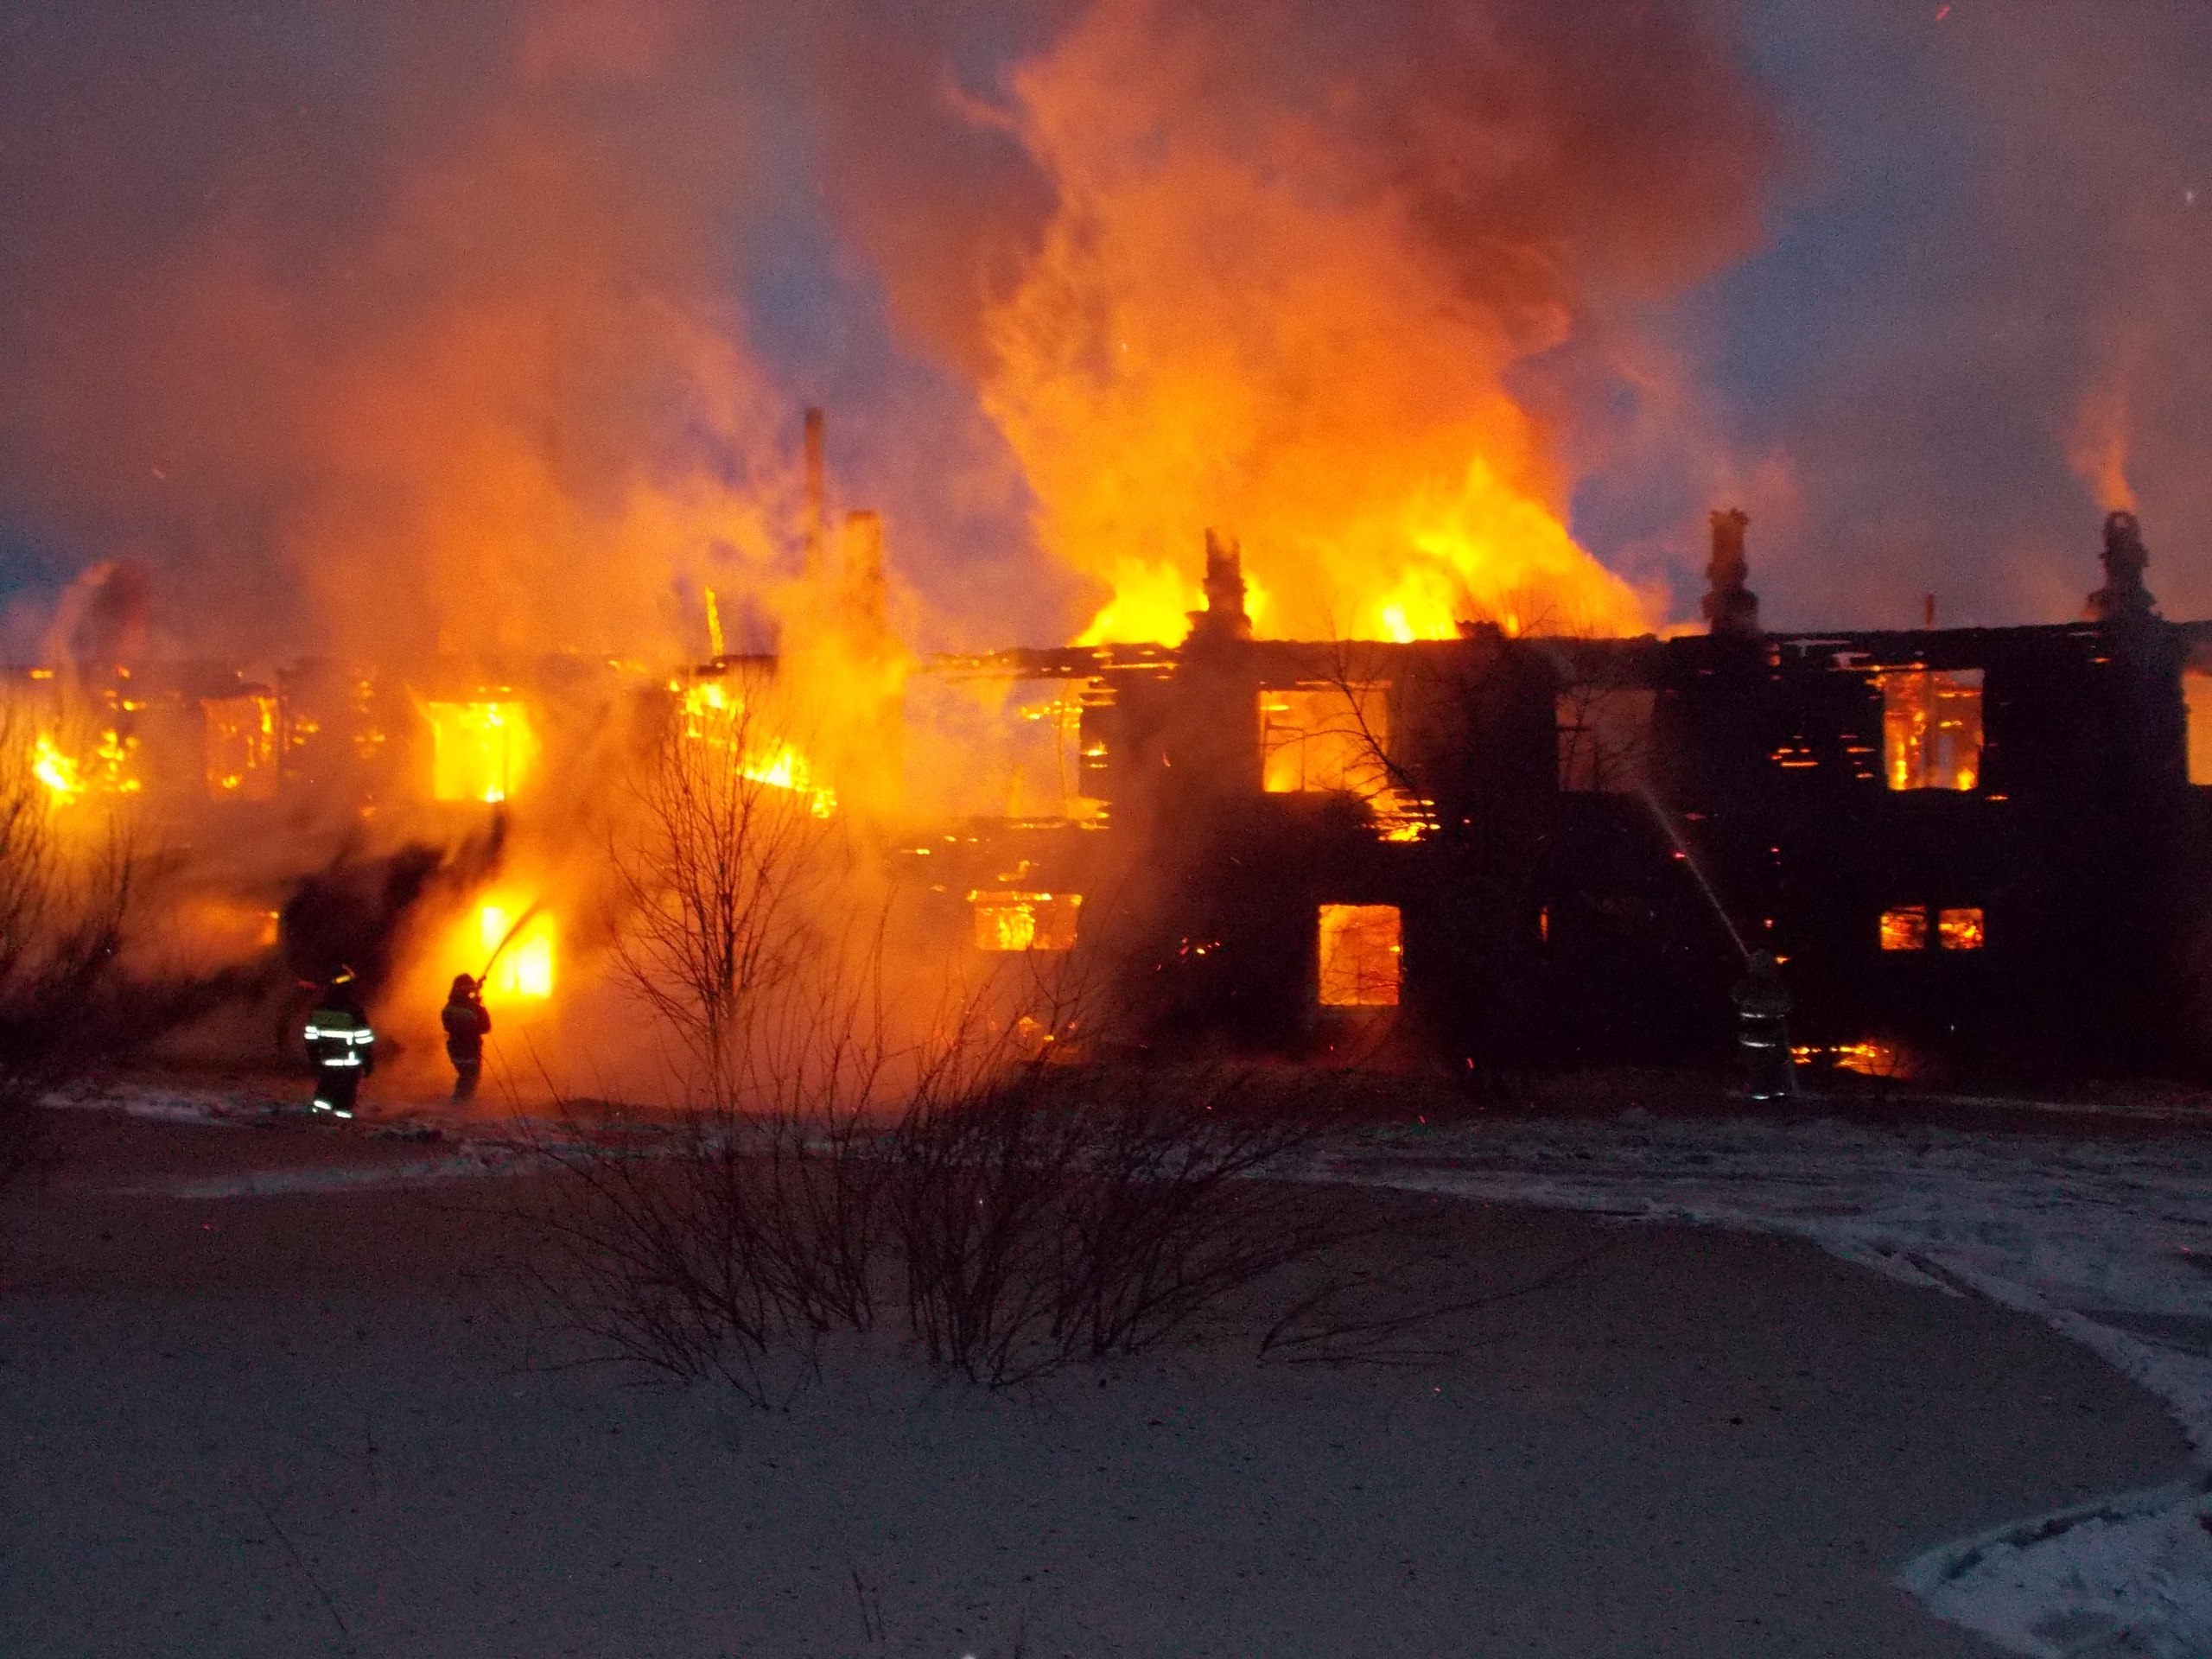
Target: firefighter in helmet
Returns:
[[1763, 1029], [467, 1023], [340, 1044]]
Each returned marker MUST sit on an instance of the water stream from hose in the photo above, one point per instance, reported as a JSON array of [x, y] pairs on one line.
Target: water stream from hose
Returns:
[[1673, 834]]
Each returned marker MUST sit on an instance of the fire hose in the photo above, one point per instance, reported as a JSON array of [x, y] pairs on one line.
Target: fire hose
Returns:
[[508, 939]]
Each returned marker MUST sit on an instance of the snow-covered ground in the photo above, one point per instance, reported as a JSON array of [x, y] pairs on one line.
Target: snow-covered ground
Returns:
[[2107, 1238], [2110, 1240]]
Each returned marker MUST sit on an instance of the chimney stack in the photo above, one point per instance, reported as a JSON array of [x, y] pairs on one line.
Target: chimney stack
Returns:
[[814, 493], [1224, 616], [1731, 610], [2123, 598]]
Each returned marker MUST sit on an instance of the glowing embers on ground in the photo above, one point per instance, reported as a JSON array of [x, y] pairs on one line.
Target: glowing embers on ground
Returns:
[[482, 750], [1958, 927], [516, 943], [1869, 1057], [1361, 955], [716, 717], [1010, 920], [1931, 727], [240, 746]]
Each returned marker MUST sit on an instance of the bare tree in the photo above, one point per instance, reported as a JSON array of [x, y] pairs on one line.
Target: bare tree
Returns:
[[64, 890], [726, 868]]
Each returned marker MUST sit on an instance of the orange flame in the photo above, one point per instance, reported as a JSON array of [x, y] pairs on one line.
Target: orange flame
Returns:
[[57, 771], [1240, 329], [713, 715]]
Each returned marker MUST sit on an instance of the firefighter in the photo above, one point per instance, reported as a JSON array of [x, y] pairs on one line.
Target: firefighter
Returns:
[[467, 1023], [1763, 1029], [340, 1044]]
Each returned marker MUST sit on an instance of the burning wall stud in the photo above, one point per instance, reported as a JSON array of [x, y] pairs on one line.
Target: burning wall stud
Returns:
[[241, 748]]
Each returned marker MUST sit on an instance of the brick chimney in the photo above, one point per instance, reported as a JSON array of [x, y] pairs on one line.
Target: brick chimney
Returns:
[[1224, 616], [1731, 608], [2123, 598]]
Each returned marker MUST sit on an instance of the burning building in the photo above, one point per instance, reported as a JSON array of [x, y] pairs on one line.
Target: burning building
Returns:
[[1988, 844]]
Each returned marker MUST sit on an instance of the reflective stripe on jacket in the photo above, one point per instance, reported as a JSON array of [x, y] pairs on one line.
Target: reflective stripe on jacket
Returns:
[[338, 1037]]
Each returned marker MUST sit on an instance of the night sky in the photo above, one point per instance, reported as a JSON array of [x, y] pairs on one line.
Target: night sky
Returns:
[[1954, 290]]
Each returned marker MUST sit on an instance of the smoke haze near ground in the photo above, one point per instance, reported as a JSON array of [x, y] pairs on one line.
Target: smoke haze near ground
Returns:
[[484, 328]]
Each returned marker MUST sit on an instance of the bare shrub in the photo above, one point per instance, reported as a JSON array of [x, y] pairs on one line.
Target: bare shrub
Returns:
[[729, 1249], [1056, 1215], [64, 890]]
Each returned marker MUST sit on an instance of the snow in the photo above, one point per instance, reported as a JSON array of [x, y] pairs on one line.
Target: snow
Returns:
[[2109, 1241]]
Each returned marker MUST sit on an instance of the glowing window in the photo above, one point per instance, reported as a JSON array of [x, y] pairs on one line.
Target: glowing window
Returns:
[[1324, 737], [1604, 736], [1904, 927], [1025, 921], [240, 746], [1931, 727], [1959, 929], [518, 945], [482, 750], [2196, 687], [1361, 953]]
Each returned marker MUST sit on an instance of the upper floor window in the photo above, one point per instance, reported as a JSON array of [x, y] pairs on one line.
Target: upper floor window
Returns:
[[1604, 736], [1323, 738], [480, 750], [1931, 727]]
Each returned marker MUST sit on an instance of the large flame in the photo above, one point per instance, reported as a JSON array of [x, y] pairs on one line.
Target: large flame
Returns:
[[715, 716], [57, 771], [481, 751], [1230, 323]]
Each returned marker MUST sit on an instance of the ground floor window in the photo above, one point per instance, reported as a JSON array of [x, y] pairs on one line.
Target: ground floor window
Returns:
[[1025, 921], [1958, 927], [1361, 953]]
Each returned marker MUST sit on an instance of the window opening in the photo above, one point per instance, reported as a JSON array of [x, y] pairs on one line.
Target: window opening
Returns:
[[1361, 955], [1009, 920], [1959, 929], [1317, 738], [1904, 927], [1931, 727]]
